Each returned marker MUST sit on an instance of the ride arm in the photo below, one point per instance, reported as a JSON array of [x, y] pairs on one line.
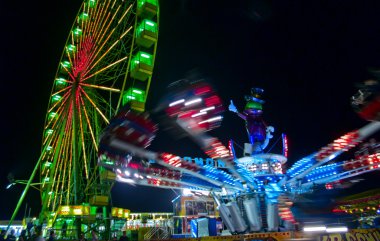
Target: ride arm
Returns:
[[170, 162], [330, 152], [351, 168]]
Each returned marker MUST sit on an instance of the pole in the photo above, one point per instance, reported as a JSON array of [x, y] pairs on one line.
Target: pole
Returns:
[[25, 191], [26, 208]]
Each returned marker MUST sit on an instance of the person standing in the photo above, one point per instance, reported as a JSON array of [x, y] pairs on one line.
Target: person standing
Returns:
[[124, 236], [22, 236], [94, 236], [82, 237], [11, 236], [51, 236], [29, 227], [2, 235], [64, 229], [39, 236]]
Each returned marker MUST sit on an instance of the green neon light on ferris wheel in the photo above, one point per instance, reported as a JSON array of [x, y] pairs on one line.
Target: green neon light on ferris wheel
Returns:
[[60, 81], [92, 3], [49, 131], [56, 98], [150, 23], [52, 115], [83, 16], [77, 31], [137, 91], [142, 2], [71, 48], [66, 64]]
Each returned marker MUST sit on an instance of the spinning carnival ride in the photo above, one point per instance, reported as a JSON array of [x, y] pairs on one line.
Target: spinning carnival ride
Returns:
[[253, 192]]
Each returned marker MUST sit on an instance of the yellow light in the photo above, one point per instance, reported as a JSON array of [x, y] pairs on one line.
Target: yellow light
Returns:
[[114, 211], [77, 210], [65, 209], [120, 212]]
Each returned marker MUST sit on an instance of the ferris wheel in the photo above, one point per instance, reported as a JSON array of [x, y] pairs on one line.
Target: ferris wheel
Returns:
[[107, 62]]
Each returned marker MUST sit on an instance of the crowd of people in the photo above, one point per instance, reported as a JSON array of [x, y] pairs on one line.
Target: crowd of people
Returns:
[[37, 235]]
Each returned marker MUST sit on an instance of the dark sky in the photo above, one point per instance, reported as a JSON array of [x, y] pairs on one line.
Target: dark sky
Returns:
[[307, 55]]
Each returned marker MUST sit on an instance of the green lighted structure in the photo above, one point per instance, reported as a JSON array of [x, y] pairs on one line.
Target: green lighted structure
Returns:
[[147, 33], [142, 66], [97, 74]]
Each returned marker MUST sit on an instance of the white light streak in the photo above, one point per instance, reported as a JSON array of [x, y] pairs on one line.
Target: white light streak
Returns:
[[314, 229], [126, 180], [137, 91], [337, 229], [190, 102], [176, 102], [211, 120], [207, 109], [198, 114]]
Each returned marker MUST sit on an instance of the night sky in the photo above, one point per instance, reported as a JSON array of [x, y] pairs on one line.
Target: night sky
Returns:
[[307, 55]]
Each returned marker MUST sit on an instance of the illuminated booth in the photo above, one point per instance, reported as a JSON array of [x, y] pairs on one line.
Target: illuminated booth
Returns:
[[195, 216]]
